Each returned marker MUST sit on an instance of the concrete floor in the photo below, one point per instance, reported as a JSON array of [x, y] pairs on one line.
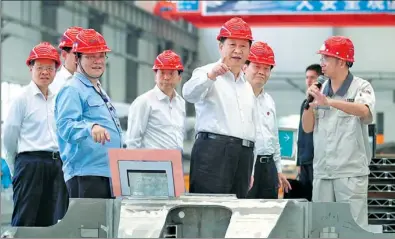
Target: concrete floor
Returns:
[[6, 208]]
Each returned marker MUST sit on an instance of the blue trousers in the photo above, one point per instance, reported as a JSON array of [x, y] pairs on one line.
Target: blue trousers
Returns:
[[40, 193]]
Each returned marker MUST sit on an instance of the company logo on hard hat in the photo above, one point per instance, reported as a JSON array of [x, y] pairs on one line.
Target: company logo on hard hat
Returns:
[[93, 41], [236, 27]]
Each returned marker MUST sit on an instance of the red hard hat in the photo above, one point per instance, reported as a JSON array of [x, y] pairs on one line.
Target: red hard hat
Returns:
[[68, 37], [262, 53], [90, 41], [339, 47], [44, 50], [168, 60], [235, 28]]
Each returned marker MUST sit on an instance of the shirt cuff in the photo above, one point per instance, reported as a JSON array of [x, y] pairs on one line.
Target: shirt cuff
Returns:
[[89, 128], [278, 166], [10, 159]]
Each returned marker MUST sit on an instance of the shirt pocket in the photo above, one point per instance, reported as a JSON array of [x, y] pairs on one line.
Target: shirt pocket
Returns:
[[346, 123], [96, 107], [319, 120]]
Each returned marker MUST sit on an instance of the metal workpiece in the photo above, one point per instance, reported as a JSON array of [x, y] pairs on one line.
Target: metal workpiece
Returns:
[[201, 216]]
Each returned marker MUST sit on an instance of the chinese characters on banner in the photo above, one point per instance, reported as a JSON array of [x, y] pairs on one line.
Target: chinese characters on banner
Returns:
[[363, 6], [217, 8]]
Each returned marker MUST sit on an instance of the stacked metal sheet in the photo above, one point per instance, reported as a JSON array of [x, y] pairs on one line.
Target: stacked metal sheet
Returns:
[[381, 197]]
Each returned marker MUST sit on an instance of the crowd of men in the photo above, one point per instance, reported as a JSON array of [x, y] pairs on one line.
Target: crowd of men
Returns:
[[58, 131]]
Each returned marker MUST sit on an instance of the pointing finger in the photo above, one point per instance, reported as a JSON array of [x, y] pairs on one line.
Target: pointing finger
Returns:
[[223, 60], [225, 67]]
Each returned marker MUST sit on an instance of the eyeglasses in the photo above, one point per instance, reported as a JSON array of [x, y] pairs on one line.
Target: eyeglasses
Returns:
[[95, 58], [44, 68]]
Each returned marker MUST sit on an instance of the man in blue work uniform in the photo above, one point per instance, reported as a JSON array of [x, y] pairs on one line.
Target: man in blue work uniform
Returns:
[[87, 123], [305, 141]]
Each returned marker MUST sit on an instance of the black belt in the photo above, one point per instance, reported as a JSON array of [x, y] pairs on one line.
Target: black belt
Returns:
[[43, 154], [243, 142], [264, 158]]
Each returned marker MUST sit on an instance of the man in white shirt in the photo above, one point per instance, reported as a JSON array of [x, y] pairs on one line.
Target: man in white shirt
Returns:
[[62, 76], [69, 61], [222, 156], [268, 175], [30, 143], [156, 119]]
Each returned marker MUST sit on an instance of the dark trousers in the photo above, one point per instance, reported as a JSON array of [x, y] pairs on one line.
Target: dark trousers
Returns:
[[306, 180], [40, 195], [265, 179], [89, 187], [220, 165]]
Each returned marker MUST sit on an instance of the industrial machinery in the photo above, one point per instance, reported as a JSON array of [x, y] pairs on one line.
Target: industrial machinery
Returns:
[[151, 203], [201, 216]]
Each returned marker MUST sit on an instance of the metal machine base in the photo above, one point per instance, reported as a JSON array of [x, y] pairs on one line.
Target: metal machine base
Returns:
[[198, 216]]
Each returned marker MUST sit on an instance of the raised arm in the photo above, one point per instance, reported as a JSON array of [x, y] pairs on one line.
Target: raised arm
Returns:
[[196, 88]]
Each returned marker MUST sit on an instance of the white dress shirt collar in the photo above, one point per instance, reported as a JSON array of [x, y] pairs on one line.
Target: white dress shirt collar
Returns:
[[35, 90], [161, 96]]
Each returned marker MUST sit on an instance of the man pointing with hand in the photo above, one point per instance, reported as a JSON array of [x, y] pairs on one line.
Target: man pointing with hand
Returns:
[[222, 156], [219, 69]]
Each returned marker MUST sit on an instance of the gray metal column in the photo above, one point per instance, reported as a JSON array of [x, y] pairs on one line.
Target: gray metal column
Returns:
[[132, 46], [49, 19], [188, 58], [96, 20], [3, 35], [169, 45]]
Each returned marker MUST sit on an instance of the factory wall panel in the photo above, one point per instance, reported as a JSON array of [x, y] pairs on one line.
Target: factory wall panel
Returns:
[[374, 47], [16, 48], [147, 52], [385, 104], [67, 18], [146, 5], [114, 79]]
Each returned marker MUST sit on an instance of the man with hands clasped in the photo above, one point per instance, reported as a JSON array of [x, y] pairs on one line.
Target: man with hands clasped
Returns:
[[339, 118], [222, 156], [267, 173], [157, 118], [87, 123]]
